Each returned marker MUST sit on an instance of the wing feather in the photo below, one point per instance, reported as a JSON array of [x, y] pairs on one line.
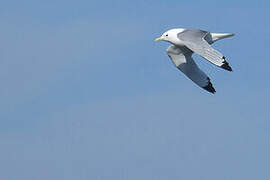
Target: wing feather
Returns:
[[181, 58], [195, 40]]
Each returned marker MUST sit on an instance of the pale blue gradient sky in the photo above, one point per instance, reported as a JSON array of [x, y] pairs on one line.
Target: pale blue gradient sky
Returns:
[[87, 94]]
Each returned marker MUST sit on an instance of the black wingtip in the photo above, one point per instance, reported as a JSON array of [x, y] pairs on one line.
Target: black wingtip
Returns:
[[209, 87], [226, 65]]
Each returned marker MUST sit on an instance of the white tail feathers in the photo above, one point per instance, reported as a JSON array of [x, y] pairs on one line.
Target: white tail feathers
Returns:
[[218, 36]]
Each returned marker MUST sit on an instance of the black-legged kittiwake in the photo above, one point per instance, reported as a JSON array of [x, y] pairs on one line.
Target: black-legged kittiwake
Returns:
[[185, 42]]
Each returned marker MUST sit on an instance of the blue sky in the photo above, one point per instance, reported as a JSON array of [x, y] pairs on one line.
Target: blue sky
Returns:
[[87, 94]]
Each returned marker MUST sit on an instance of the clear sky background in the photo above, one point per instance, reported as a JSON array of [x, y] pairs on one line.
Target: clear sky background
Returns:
[[87, 94]]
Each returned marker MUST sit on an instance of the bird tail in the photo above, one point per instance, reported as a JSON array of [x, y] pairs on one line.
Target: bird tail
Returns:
[[218, 36]]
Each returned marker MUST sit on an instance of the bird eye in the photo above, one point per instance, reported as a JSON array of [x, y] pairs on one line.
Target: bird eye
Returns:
[[166, 34]]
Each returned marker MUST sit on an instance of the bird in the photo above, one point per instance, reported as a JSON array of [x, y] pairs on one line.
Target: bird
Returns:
[[185, 42]]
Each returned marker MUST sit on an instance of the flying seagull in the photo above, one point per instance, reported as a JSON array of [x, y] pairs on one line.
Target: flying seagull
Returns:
[[185, 42]]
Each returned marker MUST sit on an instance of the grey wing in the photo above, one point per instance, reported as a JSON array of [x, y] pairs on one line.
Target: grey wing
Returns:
[[181, 58], [197, 41]]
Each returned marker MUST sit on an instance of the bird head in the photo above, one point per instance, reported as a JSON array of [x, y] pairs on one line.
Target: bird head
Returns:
[[170, 36]]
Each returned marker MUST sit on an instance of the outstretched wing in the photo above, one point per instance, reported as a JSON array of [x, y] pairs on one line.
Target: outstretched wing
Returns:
[[197, 41], [181, 57]]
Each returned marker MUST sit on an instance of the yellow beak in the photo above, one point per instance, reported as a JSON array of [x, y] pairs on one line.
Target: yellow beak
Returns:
[[159, 39]]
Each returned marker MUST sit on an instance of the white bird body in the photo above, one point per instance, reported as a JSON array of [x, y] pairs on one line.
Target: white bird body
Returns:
[[185, 42], [176, 41]]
